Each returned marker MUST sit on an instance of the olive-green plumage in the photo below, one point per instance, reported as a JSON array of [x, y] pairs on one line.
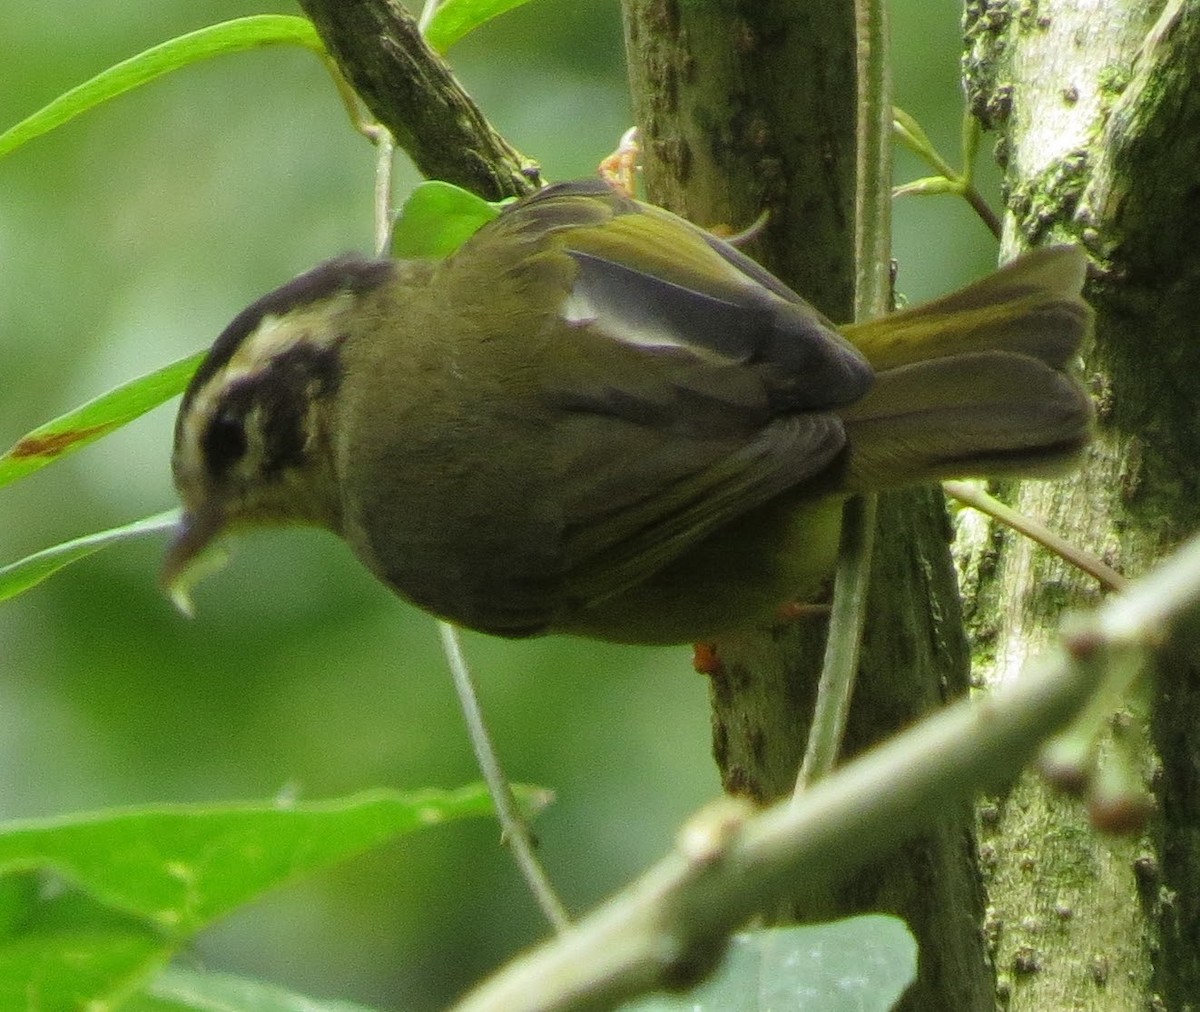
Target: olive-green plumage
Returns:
[[595, 418]]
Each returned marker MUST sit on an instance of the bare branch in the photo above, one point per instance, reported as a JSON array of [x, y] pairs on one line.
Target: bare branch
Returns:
[[668, 928], [412, 92]]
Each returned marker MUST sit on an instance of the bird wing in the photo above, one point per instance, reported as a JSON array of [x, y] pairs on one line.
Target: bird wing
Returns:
[[650, 278], [685, 384]]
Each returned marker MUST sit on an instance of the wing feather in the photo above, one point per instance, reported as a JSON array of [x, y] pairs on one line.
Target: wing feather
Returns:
[[682, 385]]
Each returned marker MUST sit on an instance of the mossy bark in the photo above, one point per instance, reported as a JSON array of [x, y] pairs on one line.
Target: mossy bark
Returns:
[[1100, 124], [411, 91], [746, 108]]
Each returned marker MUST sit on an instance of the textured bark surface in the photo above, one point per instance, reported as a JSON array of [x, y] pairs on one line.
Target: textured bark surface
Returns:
[[768, 124], [1100, 112], [734, 125], [411, 91]]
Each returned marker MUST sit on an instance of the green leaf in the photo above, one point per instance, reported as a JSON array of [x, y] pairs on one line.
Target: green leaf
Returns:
[[227, 37], [137, 884], [927, 185], [180, 990], [456, 18], [72, 968], [861, 964], [74, 430], [18, 898], [437, 218], [20, 576], [181, 866], [912, 135]]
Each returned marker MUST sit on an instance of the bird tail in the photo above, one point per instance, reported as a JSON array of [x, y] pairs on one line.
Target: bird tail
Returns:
[[978, 383]]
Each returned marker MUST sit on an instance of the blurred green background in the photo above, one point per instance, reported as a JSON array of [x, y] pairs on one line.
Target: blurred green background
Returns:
[[131, 237]]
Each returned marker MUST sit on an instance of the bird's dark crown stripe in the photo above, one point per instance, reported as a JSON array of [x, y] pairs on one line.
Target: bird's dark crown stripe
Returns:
[[282, 397], [298, 376], [351, 273]]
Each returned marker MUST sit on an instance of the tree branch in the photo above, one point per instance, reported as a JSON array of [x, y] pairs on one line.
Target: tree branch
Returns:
[[412, 92], [1142, 201], [668, 929]]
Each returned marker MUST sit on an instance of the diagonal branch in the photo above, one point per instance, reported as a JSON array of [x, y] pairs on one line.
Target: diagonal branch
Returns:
[[668, 928], [411, 91]]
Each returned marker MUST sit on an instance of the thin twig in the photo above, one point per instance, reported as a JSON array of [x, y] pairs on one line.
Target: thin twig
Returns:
[[515, 831], [842, 646], [385, 153], [984, 210], [970, 134], [359, 117], [948, 180], [725, 868], [873, 168], [872, 297], [513, 828], [977, 498]]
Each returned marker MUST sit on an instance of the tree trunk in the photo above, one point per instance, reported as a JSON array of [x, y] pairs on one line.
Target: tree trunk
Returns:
[[1101, 140], [768, 124]]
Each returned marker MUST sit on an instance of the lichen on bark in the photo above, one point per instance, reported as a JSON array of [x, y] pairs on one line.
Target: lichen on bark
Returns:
[[1102, 145], [768, 124]]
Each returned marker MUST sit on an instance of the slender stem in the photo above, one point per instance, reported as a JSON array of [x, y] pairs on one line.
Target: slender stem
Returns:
[[385, 150], [513, 828], [360, 119], [977, 498], [515, 832], [910, 133], [846, 620], [984, 210], [872, 297], [428, 10], [873, 176], [971, 131]]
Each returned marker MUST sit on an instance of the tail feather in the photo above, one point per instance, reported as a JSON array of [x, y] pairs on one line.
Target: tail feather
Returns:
[[1032, 306], [978, 383]]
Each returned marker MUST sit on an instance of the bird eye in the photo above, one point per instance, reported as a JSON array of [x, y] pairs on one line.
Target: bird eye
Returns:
[[224, 443]]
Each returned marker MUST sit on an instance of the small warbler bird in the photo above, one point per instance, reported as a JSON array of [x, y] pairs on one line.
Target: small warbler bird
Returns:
[[596, 418]]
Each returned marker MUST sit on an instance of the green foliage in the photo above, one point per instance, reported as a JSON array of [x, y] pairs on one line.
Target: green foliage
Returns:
[[18, 577], [228, 37], [437, 218], [73, 431], [91, 906], [455, 19], [180, 990], [909, 132], [912, 135], [860, 964], [89, 422], [118, 407], [133, 886]]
